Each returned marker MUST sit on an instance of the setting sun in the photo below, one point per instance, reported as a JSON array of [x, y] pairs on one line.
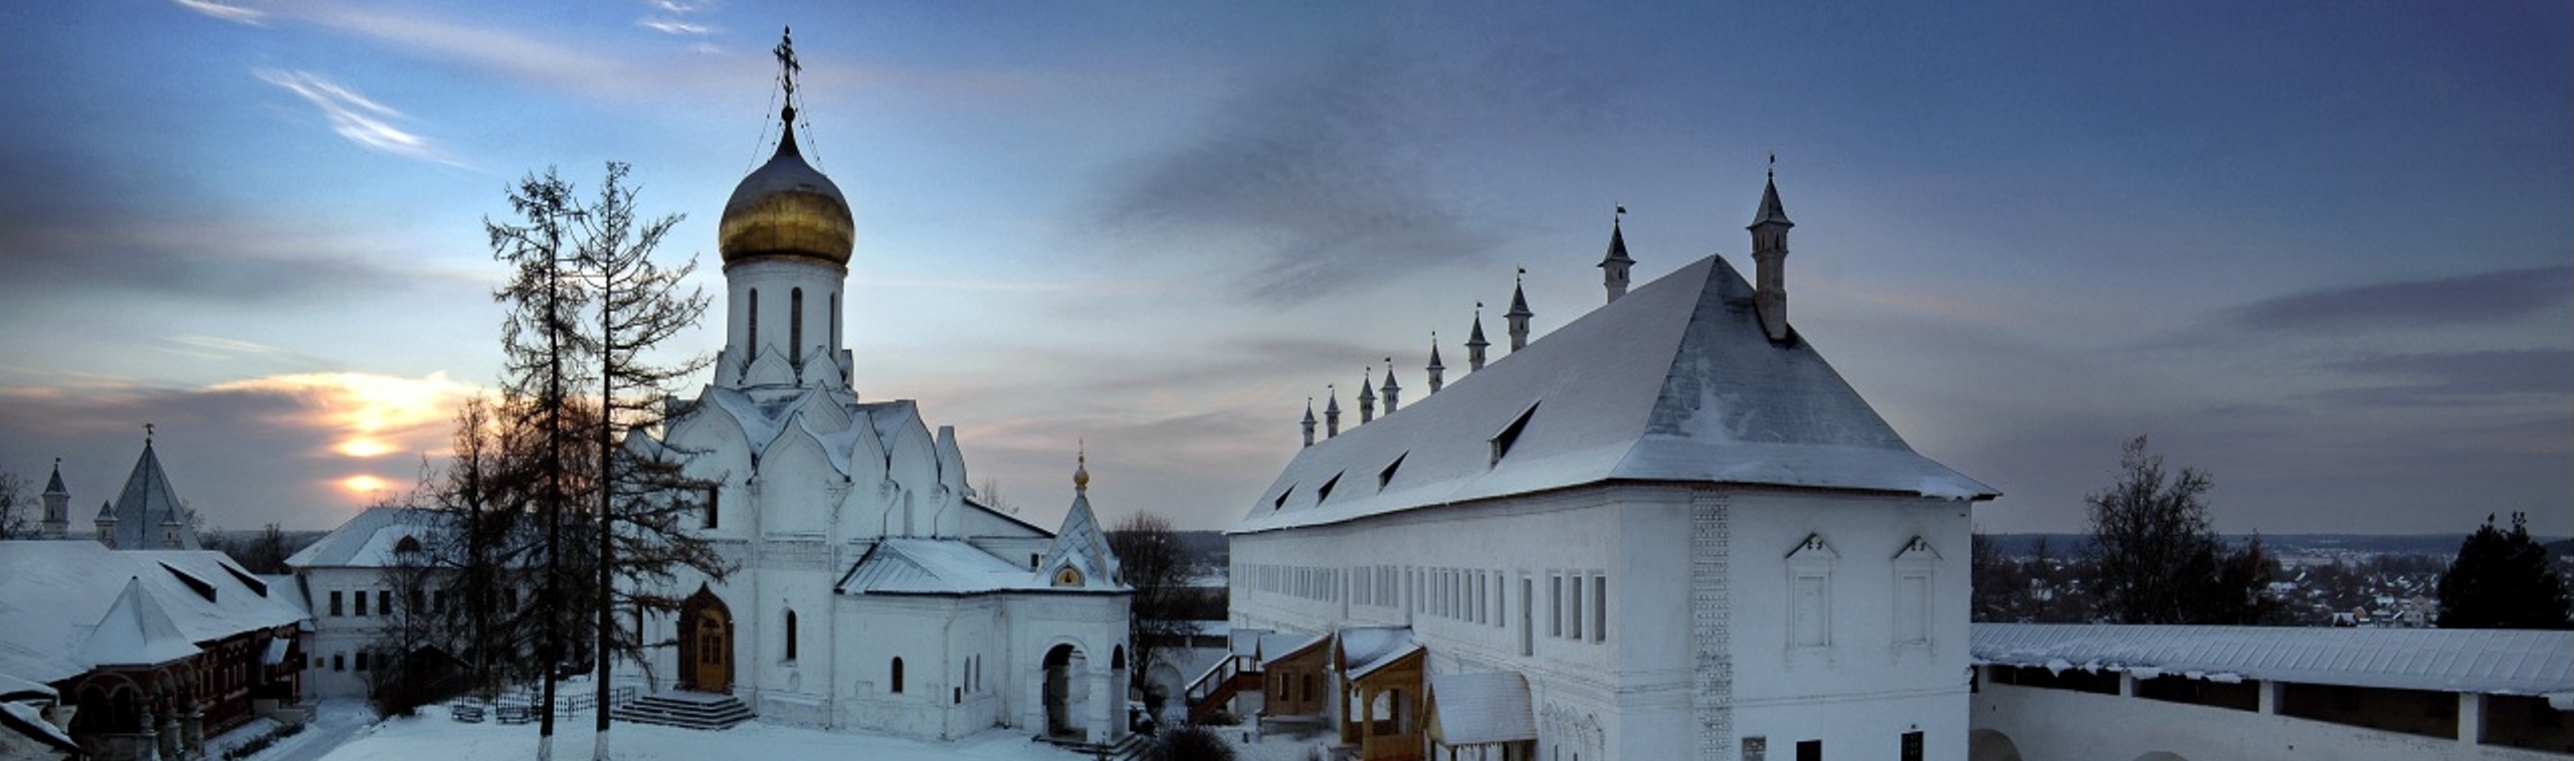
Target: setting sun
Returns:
[[364, 484]]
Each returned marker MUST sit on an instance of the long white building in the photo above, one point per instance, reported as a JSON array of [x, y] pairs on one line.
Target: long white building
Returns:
[[1671, 516]]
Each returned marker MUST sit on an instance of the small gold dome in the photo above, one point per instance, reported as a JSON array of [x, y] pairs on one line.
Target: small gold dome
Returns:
[[786, 208]]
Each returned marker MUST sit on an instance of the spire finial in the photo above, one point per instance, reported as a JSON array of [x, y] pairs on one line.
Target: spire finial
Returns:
[[1774, 165], [1620, 217], [147, 436], [788, 66], [1081, 465]]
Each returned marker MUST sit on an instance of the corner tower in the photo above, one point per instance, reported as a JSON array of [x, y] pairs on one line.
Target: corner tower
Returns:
[[786, 237]]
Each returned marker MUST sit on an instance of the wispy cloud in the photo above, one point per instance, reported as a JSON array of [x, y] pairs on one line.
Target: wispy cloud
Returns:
[[224, 11], [2484, 299], [353, 115], [673, 26], [2455, 378]]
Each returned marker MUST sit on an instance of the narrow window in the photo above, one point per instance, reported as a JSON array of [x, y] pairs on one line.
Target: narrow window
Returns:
[[714, 497], [835, 318], [335, 603], [1809, 750], [1600, 608], [898, 675], [1912, 613], [418, 603], [1809, 624], [361, 602], [790, 635], [1527, 629], [339, 662], [755, 322], [361, 660], [795, 325], [1574, 607], [1554, 605], [1912, 748], [384, 602]]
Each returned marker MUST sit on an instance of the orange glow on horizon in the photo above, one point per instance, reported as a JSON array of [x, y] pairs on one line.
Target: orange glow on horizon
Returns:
[[364, 485]]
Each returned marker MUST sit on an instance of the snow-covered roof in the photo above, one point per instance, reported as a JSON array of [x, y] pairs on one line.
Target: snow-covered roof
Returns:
[[1277, 646], [53, 594], [368, 539], [1481, 708], [15, 688], [2491, 661], [26, 721], [918, 566], [149, 506], [1364, 649], [1674, 382], [1082, 546], [135, 632]]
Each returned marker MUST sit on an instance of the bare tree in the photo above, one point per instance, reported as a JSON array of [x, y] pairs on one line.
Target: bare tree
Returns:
[[2154, 558], [1151, 560], [16, 505]]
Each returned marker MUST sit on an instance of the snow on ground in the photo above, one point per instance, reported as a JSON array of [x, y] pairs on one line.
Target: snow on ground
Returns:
[[433, 736]]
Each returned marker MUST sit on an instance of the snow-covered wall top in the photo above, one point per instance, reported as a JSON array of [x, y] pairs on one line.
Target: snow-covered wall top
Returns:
[[1674, 382], [2490, 661]]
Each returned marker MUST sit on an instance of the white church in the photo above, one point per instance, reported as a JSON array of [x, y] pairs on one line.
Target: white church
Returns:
[[1690, 539], [874, 591]]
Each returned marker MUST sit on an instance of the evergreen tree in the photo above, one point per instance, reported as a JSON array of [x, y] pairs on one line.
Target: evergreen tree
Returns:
[[2502, 580]]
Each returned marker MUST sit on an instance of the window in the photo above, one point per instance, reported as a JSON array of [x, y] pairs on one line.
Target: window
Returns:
[[361, 602], [384, 602], [1600, 608], [790, 638], [1574, 609], [1325, 492], [339, 662], [1527, 602], [795, 326], [1912, 748], [1510, 434], [419, 599], [754, 312], [1809, 571], [714, 496], [1554, 605], [1808, 627], [335, 603], [835, 318], [1386, 476], [897, 679], [361, 660], [1809, 750]]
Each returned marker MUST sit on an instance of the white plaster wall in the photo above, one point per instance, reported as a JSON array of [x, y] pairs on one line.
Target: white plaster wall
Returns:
[[342, 635], [1785, 691], [2063, 725], [776, 278]]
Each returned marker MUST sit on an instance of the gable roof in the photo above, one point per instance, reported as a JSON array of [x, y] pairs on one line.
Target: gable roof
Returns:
[[367, 539], [1675, 382], [916, 566]]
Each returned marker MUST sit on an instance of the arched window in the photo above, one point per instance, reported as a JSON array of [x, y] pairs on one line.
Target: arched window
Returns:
[[795, 326], [897, 680], [754, 312], [835, 318], [790, 634]]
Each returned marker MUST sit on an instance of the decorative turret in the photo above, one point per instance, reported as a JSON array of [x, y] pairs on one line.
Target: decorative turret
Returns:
[[1367, 396], [57, 505], [1435, 369], [1309, 421], [1331, 412], [1475, 342], [1769, 258], [105, 524], [1613, 268], [1393, 393], [1080, 556], [1519, 313]]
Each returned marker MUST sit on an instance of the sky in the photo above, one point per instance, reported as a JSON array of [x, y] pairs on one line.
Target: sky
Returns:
[[2323, 253]]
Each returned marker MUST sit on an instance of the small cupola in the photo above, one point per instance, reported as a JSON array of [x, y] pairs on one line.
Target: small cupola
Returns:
[[1769, 259]]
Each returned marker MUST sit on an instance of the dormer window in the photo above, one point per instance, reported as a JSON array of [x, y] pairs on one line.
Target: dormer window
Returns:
[[1325, 492], [1386, 476], [1509, 435], [1067, 577]]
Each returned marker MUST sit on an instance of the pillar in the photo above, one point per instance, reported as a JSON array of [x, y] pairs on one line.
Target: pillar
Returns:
[[2471, 717], [2270, 694]]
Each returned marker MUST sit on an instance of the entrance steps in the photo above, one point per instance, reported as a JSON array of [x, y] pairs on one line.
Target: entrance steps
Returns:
[[691, 710], [1127, 748]]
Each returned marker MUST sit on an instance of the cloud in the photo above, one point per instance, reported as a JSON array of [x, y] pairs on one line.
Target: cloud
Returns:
[[355, 116], [282, 448], [226, 12], [1338, 172], [673, 26], [2454, 378], [2485, 299]]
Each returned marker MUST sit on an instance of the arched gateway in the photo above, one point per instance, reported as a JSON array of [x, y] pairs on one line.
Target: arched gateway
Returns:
[[706, 643]]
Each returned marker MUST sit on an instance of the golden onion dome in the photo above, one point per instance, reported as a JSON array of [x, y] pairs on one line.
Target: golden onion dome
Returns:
[[786, 209]]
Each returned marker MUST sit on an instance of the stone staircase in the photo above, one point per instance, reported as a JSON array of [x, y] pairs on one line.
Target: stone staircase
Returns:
[[1127, 748], [692, 710]]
